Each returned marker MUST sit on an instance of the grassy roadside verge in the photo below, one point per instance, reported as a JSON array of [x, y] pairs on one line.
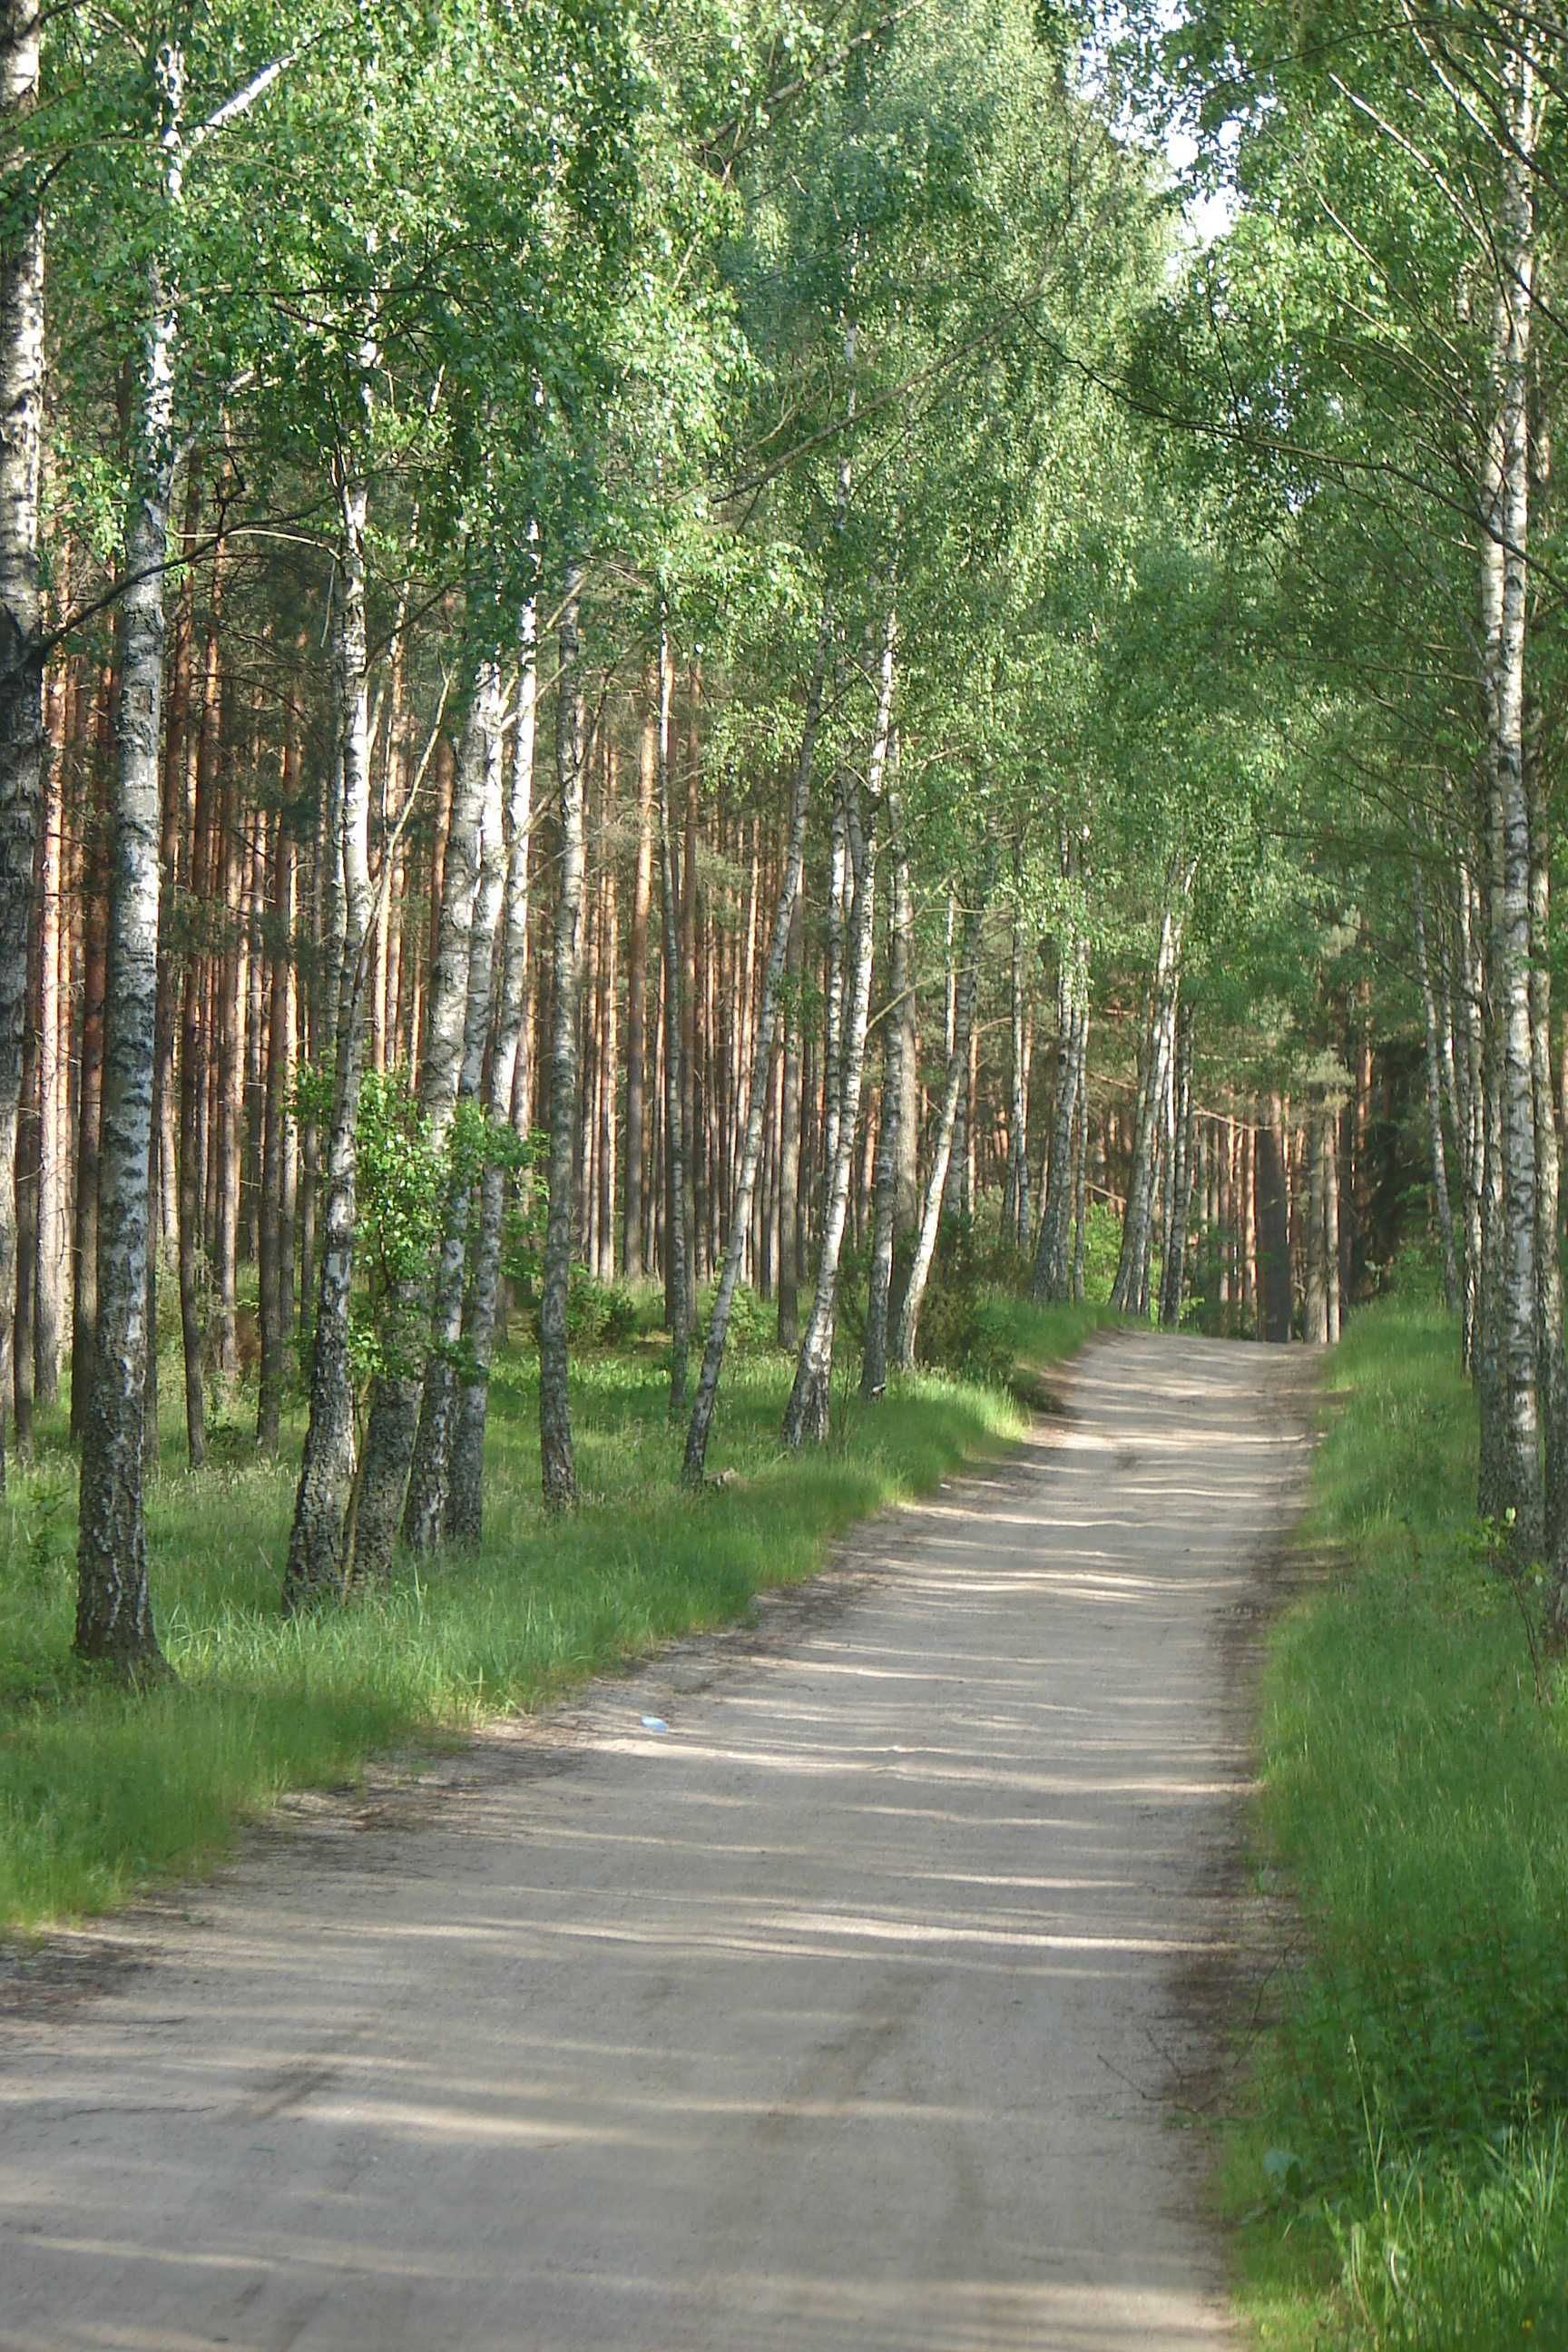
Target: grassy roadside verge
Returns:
[[1404, 2178], [100, 1792]]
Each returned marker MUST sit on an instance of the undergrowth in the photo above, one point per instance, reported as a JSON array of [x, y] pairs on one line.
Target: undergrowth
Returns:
[[1405, 2180], [101, 1790]]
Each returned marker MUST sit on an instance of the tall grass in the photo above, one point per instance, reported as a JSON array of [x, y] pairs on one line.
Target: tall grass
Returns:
[[1405, 2172], [100, 1790]]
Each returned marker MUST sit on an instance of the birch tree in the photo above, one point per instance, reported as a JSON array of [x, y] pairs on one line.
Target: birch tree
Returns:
[[21, 652]]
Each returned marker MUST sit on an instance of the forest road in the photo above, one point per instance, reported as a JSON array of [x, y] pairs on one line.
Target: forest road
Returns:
[[852, 2014]]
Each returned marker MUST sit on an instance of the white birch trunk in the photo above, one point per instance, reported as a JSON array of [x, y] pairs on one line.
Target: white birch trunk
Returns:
[[1130, 1292], [429, 1480], [405, 1333], [114, 1618], [967, 981], [1504, 594], [900, 979], [1053, 1269], [807, 1414], [465, 1506], [557, 1464], [21, 662], [319, 1534]]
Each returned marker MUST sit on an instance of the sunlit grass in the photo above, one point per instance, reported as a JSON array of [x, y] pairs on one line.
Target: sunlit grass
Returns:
[[99, 1791], [1406, 2174]]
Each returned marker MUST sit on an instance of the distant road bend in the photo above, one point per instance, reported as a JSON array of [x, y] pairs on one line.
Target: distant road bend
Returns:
[[843, 2017]]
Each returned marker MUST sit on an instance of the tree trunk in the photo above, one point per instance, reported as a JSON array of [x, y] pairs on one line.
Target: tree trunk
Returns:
[[1470, 1069], [114, 1615], [558, 1466], [403, 1314], [1273, 1233], [430, 1470], [54, 1020], [966, 982], [895, 1038], [273, 1235], [1553, 1372], [806, 1415], [94, 875], [317, 1537], [636, 984], [1017, 1218], [1173, 1274], [676, 1141], [1441, 1204], [1505, 585], [1130, 1292], [464, 1505], [21, 658], [789, 1139], [1314, 1269], [762, 1057], [1053, 1271]]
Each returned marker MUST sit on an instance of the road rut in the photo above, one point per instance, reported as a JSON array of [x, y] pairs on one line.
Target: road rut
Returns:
[[848, 2015]]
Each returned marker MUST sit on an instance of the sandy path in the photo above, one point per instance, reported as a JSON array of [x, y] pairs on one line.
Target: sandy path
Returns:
[[837, 2020]]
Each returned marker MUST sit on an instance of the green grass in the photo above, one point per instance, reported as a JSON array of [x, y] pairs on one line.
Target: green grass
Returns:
[[1405, 2177], [102, 1790]]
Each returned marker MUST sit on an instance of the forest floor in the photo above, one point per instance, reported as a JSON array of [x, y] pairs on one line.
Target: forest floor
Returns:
[[853, 2008]]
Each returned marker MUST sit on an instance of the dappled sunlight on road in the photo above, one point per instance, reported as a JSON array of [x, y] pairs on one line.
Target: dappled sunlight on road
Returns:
[[838, 2016]]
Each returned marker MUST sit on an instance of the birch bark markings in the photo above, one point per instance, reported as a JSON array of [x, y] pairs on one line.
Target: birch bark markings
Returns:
[[317, 1537], [967, 981], [429, 1471], [1505, 582], [21, 660], [806, 1413], [465, 1502], [114, 1618], [1173, 1271], [896, 1038], [558, 1468], [1130, 1292], [1053, 1268], [392, 1428]]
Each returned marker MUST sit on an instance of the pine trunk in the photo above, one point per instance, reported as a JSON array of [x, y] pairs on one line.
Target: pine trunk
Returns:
[[677, 1140], [274, 1237], [1441, 1204], [637, 986], [762, 1059]]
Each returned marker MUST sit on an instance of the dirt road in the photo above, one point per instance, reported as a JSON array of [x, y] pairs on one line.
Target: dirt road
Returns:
[[844, 2016]]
